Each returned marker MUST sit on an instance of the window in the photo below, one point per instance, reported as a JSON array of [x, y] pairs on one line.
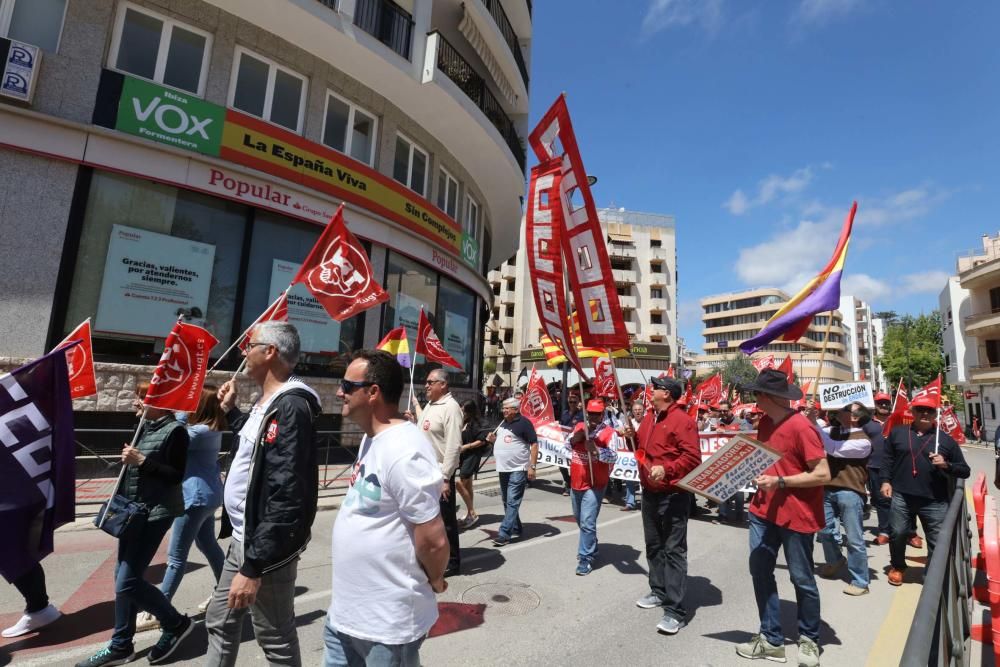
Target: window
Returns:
[[447, 198], [349, 129], [471, 223], [410, 165], [160, 49], [655, 243], [36, 22], [456, 326], [265, 89], [655, 318], [655, 293], [410, 285]]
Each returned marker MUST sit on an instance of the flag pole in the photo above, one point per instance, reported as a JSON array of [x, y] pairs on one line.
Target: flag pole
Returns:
[[579, 379], [243, 335], [937, 428], [621, 396], [822, 355], [121, 474]]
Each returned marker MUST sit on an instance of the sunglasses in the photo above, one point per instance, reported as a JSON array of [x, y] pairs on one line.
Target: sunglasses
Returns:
[[348, 387]]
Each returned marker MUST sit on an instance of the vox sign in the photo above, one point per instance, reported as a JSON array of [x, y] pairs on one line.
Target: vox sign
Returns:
[[170, 117]]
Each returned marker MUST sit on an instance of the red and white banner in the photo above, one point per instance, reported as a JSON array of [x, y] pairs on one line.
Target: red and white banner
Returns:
[[950, 425], [604, 380], [80, 362], [429, 345], [536, 404], [583, 246], [180, 374], [276, 312], [760, 363], [900, 414], [710, 390], [931, 392], [543, 231], [337, 272]]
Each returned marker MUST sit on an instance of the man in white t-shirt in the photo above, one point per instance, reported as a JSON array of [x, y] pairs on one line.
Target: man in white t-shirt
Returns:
[[390, 549], [516, 453]]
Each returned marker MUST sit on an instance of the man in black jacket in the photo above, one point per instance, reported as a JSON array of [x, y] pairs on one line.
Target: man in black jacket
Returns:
[[917, 473], [269, 502]]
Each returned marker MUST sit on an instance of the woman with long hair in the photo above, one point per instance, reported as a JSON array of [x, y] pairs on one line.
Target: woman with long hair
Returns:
[[473, 443], [202, 497]]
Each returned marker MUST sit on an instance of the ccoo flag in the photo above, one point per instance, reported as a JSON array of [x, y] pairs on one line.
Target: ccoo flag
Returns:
[[36, 461], [821, 294]]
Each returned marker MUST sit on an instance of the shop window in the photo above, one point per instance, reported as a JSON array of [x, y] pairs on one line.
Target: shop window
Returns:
[[447, 195], [471, 223], [147, 253], [278, 247], [410, 285], [154, 47], [265, 89], [456, 326], [36, 22], [349, 129], [409, 166]]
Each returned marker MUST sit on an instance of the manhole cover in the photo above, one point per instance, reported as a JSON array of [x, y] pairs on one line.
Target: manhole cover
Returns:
[[492, 492], [511, 599]]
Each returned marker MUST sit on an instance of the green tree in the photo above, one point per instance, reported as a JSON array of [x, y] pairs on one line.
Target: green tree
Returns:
[[912, 350], [737, 371], [489, 367]]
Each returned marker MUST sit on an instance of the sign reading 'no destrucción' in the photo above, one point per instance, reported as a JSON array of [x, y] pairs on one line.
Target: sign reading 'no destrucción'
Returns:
[[842, 394]]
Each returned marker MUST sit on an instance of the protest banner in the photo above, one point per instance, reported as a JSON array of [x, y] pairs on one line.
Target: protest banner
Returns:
[[730, 469], [841, 394]]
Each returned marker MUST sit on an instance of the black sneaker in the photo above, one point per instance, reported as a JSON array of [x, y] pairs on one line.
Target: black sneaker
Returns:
[[169, 641], [108, 656]]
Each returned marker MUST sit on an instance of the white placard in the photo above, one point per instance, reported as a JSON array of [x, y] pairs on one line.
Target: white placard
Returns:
[[456, 328], [148, 278], [834, 396], [318, 332], [730, 469]]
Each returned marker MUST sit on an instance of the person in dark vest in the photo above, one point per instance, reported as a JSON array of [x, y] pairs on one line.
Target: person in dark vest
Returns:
[[155, 470]]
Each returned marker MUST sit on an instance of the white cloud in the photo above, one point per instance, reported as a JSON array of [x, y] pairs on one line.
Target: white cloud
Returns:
[[865, 287], [768, 189], [820, 12], [925, 281], [688, 314], [786, 256], [665, 14]]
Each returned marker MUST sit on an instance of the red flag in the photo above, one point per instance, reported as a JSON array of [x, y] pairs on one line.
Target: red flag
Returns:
[[900, 414], [179, 376], [786, 367], [338, 274], [80, 362], [429, 345], [760, 363], [950, 425], [277, 312], [536, 405], [670, 372], [604, 380], [931, 393], [710, 390]]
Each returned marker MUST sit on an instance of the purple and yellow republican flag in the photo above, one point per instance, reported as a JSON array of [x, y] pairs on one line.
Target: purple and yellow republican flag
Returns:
[[395, 343], [821, 294]]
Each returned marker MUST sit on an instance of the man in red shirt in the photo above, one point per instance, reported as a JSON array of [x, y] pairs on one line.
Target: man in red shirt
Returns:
[[668, 450], [786, 512], [593, 448]]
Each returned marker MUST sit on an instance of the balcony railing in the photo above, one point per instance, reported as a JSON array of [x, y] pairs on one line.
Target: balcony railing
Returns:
[[387, 22], [507, 30], [458, 69], [972, 320]]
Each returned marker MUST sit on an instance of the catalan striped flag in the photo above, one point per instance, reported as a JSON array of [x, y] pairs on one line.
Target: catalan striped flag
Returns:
[[554, 354], [820, 294], [395, 343]]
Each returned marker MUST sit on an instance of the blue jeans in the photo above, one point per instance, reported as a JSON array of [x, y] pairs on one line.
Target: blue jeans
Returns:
[[343, 650], [902, 519], [846, 508], [732, 508], [512, 486], [133, 593], [586, 507], [878, 501], [196, 525], [630, 488], [765, 540]]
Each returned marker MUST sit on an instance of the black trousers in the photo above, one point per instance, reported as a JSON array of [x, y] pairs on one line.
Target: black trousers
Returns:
[[449, 512], [31, 586], [664, 525]]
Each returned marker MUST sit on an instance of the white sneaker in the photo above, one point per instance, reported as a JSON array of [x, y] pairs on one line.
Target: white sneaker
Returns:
[[32, 622], [146, 621], [203, 607]]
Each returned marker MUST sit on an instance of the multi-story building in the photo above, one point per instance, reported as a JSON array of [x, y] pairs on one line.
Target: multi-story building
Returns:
[[729, 319], [165, 157], [878, 341], [863, 350], [643, 252]]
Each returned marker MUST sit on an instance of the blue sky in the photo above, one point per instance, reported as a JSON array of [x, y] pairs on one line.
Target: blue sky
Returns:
[[757, 123]]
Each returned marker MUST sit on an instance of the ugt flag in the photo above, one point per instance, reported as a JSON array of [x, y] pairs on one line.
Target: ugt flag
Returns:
[[180, 374], [429, 345], [80, 361], [36, 461], [337, 272]]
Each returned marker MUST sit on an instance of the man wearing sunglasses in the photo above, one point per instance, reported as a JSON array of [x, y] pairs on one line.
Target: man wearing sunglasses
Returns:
[[919, 466]]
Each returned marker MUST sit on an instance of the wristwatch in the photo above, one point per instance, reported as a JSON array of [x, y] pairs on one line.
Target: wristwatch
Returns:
[[781, 482]]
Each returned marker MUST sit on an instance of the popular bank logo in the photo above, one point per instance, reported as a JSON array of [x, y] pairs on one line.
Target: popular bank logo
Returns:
[[343, 272], [173, 371]]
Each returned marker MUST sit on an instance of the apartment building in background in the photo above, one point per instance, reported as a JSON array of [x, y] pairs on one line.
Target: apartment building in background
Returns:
[[642, 248], [729, 319], [865, 340]]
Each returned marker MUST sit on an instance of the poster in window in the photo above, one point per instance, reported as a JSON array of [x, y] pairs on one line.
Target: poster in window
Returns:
[[456, 343], [408, 315], [149, 279], [318, 333]]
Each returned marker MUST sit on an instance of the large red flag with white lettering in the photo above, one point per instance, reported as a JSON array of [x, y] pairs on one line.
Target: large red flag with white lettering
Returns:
[[760, 363], [900, 414], [180, 375], [604, 380], [536, 404], [337, 272], [930, 392], [80, 362], [429, 345], [950, 425], [710, 390]]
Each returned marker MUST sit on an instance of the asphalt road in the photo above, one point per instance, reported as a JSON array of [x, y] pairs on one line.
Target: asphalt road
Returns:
[[519, 605]]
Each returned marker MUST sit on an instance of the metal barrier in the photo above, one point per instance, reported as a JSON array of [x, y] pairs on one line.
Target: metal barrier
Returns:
[[941, 630]]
